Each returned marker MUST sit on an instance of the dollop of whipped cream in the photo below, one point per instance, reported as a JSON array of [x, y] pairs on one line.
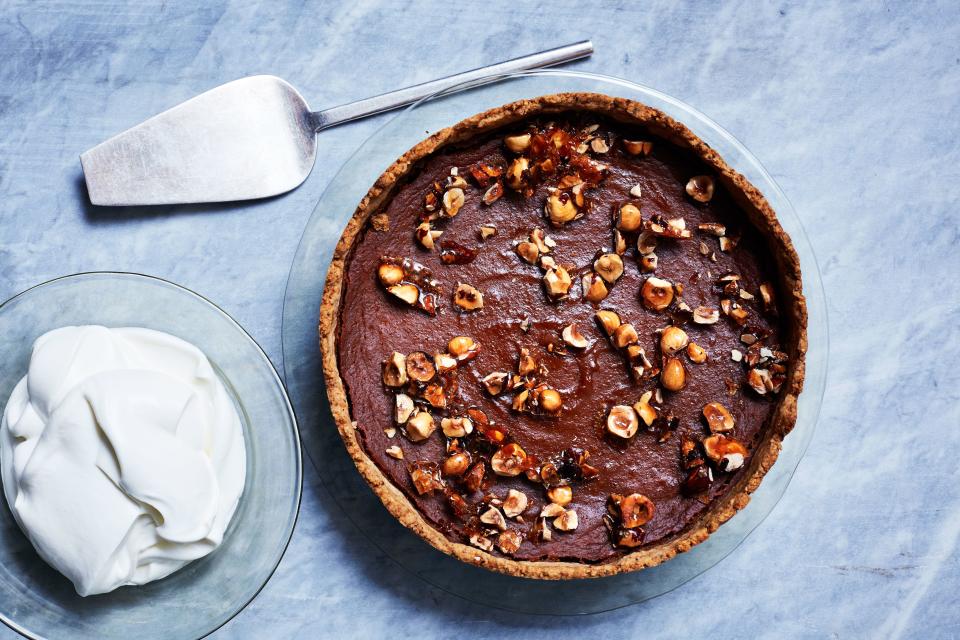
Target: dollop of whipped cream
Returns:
[[121, 454]]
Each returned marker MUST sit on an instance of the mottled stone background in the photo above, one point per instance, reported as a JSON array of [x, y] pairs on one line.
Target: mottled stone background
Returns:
[[853, 107]]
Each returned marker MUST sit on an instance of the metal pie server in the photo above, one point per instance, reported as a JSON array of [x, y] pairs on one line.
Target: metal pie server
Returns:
[[250, 138]]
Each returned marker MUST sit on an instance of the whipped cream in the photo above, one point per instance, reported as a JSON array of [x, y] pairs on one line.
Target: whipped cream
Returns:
[[121, 454]]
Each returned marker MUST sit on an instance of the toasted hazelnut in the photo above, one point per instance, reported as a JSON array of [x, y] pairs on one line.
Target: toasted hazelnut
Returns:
[[515, 173], [493, 193], [624, 336], [517, 143], [696, 353], [420, 426], [649, 262], [646, 243], [736, 355], [453, 200], [390, 274], [622, 421], [509, 460], [645, 410], [515, 503], [467, 297], [619, 243], [718, 417], [673, 377], [487, 230], [456, 464], [599, 145], [528, 251], [609, 266], [636, 510], [520, 400], [427, 235], [456, 427], [394, 452], [395, 370], [557, 282], [656, 293], [726, 452], [608, 320], [434, 394], [758, 379], [463, 347], [594, 288], [629, 218], [481, 542], [561, 495], [526, 364], [444, 362], [547, 263], [407, 292], [566, 521], [509, 541], [544, 242], [403, 408], [560, 208], [551, 510], [713, 228], [550, 400], [420, 367], [706, 315], [495, 382], [700, 188], [494, 517], [572, 336], [727, 243], [636, 191], [673, 340], [637, 147]]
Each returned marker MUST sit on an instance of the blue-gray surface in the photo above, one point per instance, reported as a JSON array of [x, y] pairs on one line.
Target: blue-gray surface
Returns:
[[854, 109]]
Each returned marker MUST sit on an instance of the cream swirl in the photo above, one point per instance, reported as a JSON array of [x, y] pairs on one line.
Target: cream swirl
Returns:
[[121, 454]]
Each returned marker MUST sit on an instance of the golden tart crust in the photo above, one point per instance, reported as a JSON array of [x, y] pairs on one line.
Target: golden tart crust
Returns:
[[792, 311]]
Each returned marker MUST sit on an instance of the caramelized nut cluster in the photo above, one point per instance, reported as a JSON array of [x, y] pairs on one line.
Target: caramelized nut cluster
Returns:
[[410, 282]]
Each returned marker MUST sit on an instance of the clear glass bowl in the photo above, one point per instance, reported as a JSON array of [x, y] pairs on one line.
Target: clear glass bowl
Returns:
[[39, 602], [304, 373]]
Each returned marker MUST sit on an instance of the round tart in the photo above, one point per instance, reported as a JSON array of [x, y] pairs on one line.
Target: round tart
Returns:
[[563, 338]]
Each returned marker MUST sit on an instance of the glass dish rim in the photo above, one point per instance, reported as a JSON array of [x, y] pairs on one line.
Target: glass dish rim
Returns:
[[291, 410]]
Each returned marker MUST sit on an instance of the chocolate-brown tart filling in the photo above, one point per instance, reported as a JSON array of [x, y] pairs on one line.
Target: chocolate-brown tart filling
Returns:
[[563, 338]]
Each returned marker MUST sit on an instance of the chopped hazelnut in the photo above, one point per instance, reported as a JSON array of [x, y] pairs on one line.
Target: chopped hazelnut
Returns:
[[561, 495], [572, 336], [515, 173], [636, 510], [544, 242], [700, 188], [526, 364], [551, 510], [727, 453], [403, 408], [736, 355], [625, 335], [766, 296], [706, 315], [509, 460], [517, 143], [628, 218], [713, 228], [427, 236], [425, 477], [637, 147], [434, 394], [609, 266], [608, 320], [394, 452], [673, 377], [520, 400], [444, 362], [599, 145], [493, 193], [728, 243], [456, 427], [557, 282], [463, 348], [509, 541], [656, 293], [515, 503], [673, 340], [481, 542], [622, 421], [645, 410], [696, 353], [456, 464], [619, 243], [560, 208], [718, 417], [494, 517], [407, 292], [646, 243], [566, 521], [649, 262], [487, 231], [395, 370], [468, 297], [390, 274], [453, 200], [495, 382], [636, 191], [528, 251], [594, 289], [420, 367], [420, 426], [549, 400]]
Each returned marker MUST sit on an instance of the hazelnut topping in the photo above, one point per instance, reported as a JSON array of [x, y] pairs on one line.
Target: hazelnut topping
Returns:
[[561, 495], [636, 510], [395, 370], [637, 147], [403, 408], [728, 454], [572, 336], [622, 421], [696, 353], [609, 320], [509, 460], [456, 427], [609, 266], [453, 200], [673, 340], [706, 315], [566, 521], [560, 208], [495, 382], [509, 541], [468, 297], [645, 410], [518, 143], [463, 348], [420, 426], [420, 367], [656, 293], [456, 464], [394, 452], [494, 517], [700, 188], [390, 274], [516, 173], [673, 377], [594, 289], [628, 218], [718, 417], [515, 504], [624, 336], [557, 282]]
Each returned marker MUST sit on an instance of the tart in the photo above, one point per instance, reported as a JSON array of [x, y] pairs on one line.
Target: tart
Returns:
[[563, 338]]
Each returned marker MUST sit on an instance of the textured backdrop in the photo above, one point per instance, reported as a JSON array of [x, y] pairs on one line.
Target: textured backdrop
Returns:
[[855, 110]]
